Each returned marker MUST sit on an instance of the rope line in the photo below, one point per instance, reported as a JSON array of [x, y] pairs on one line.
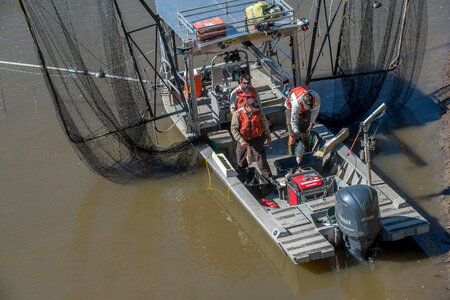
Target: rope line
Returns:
[[143, 165], [217, 190], [341, 166]]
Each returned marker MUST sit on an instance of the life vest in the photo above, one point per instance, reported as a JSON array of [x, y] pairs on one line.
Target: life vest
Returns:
[[298, 92], [250, 128], [241, 96]]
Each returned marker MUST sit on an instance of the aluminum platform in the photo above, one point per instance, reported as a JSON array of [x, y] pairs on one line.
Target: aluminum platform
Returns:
[[181, 15]]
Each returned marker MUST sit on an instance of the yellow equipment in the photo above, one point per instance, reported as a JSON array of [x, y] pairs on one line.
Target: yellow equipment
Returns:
[[262, 11]]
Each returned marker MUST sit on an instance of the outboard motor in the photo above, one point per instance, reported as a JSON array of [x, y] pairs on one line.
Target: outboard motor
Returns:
[[358, 218]]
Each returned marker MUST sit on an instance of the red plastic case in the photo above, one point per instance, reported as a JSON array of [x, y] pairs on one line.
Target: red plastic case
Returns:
[[214, 23]]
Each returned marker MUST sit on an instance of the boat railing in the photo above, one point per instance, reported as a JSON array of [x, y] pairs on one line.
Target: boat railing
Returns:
[[240, 20], [235, 64]]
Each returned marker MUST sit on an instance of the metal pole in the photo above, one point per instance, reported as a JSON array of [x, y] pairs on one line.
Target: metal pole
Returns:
[[174, 49], [193, 100], [295, 60], [367, 154], [313, 42], [365, 126], [341, 34]]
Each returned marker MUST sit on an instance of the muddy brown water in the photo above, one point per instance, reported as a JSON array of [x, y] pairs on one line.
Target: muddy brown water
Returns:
[[67, 233]]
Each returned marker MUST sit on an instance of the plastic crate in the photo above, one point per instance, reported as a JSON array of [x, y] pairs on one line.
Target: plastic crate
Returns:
[[287, 164], [258, 186], [282, 190]]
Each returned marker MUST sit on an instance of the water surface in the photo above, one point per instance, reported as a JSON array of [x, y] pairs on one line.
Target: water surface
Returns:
[[67, 233]]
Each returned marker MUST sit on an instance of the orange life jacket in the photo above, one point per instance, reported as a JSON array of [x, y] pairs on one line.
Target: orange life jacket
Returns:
[[298, 92], [250, 128], [242, 96]]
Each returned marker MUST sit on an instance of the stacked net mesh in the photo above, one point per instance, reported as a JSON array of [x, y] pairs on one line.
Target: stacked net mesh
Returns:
[[392, 38], [105, 118]]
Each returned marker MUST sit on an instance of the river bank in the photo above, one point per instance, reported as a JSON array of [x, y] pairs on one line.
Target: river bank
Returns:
[[443, 97]]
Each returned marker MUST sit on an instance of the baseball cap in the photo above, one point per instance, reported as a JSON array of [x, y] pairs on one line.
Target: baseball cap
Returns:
[[308, 101], [252, 104]]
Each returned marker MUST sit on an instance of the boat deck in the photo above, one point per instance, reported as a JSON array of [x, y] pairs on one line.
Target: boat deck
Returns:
[[299, 229]]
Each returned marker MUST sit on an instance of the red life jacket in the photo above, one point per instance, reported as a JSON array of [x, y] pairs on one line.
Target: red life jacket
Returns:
[[242, 96], [250, 128], [298, 92]]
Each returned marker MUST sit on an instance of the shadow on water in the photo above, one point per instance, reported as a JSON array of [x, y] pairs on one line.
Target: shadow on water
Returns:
[[243, 235], [432, 243], [392, 144], [419, 111]]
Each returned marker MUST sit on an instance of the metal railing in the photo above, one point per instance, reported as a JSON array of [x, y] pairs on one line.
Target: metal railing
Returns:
[[286, 14]]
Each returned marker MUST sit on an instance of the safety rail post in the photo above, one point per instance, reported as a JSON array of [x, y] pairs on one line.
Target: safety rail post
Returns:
[[195, 126], [295, 59]]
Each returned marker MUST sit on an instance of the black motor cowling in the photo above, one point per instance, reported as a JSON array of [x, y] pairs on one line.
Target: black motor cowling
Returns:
[[358, 218]]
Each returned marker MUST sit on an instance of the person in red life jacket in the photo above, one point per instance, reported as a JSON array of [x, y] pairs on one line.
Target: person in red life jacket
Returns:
[[302, 108], [242, 93], [250, 129]]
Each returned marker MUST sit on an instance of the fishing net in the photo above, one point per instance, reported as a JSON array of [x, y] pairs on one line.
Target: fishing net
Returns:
[[379, 50], [106, 103]]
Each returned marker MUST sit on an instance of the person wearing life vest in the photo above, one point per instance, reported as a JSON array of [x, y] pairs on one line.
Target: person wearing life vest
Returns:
[[302, 108], [242, 93], [250, 129]]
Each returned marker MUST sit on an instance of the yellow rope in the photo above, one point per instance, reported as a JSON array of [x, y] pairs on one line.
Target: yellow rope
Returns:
[[229, 188], [207, 167], [217, 190]]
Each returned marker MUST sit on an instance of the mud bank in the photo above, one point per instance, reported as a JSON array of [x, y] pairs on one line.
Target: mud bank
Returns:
[[442, 97]]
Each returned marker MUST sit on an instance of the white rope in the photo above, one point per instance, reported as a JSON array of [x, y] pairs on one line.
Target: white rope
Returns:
[[68, 70], [170, 128], [331, 8], [314, 4], [20, 71]]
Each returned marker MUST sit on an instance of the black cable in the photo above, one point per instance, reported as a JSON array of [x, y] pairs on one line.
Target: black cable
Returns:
[[132, 55]]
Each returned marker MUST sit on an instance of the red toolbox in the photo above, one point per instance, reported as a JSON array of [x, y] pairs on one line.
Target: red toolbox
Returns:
[[214, 26], [304, 186]]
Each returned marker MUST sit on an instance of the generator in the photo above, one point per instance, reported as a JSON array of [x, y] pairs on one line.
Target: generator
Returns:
[[304, 186]]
